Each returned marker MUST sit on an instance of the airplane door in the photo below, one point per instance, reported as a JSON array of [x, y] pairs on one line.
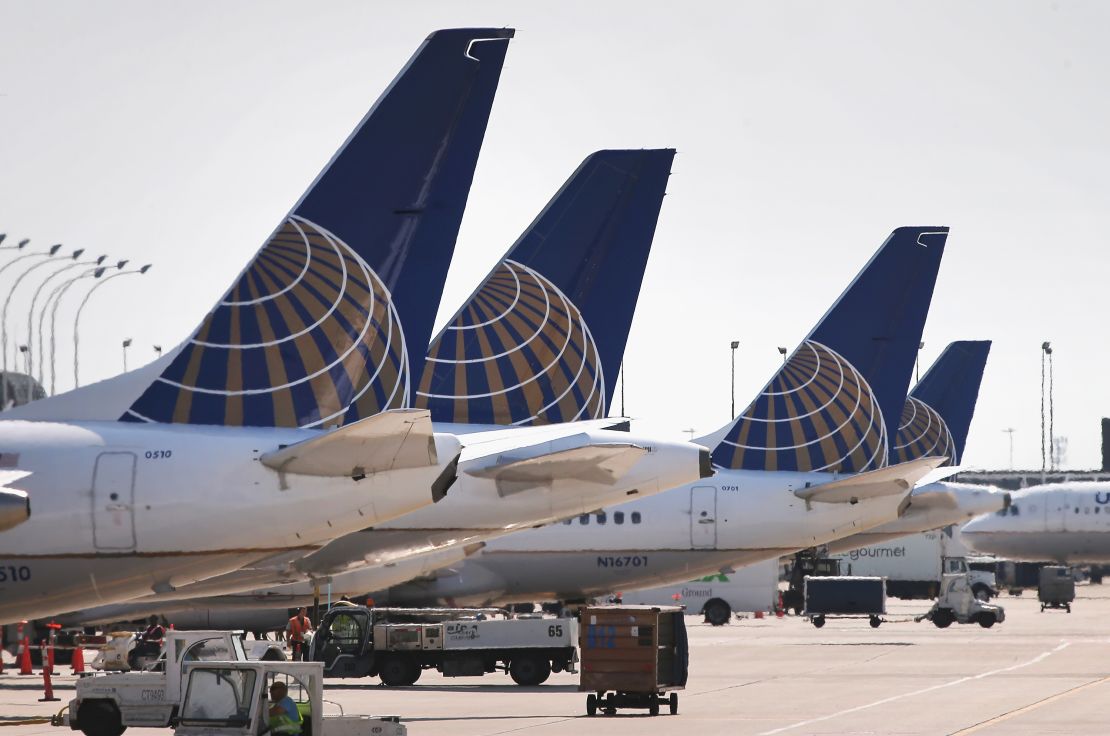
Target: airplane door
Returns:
[[113, 501], [703, 517]]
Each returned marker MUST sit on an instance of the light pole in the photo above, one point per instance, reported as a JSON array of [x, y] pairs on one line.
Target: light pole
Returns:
[[48, 253], [34, 300], [126, 344], [782, 352], [1046, 352], [158, 350], [24, 349], [77, 318], [917, 363], [55, 296], [734, 344], [1010, 431]]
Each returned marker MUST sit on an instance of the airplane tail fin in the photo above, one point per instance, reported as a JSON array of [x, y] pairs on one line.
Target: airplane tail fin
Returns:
[[324, 324], [939, 409], [542, 338], [830, 406]]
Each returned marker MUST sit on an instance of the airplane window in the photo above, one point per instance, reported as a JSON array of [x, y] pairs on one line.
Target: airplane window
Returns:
[[635, 517], [1096, 509], [568, 522], [1077, 509], [618, 517], [584, 519], [601, 518]]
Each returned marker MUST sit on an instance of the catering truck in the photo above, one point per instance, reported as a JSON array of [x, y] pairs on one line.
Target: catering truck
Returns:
[[717, 597], [914, 566], [106, 704], [397, 644]]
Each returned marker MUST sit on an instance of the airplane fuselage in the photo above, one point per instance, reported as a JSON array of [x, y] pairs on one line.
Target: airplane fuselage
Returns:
[[120, 510]]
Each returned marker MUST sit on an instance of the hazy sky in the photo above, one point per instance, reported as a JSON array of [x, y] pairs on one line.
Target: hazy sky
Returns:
[[179, 134]]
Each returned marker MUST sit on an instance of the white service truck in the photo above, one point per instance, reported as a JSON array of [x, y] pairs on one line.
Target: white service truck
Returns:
[[717, 597], [107, 703], [914, 565], [957, 603], [397, 644], [232, 699]]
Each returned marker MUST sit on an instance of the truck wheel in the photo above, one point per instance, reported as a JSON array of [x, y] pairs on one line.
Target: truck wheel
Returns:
[[529, 671], [943, 618], [591, 705], [99, 718], [717, 612], [818, 621], [986, 620], [399, 671], [653, 709], [674, 704], [875, 622]]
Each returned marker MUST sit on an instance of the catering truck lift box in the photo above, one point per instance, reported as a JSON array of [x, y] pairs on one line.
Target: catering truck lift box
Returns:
[[632, 656], [1056, 587], [914, 565], [397, 644], [718, 596], [845, 597]]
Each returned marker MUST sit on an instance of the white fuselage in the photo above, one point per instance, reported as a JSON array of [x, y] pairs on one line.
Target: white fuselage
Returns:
[[120, 510], [474, 510], [735, 518], [1060, 522]]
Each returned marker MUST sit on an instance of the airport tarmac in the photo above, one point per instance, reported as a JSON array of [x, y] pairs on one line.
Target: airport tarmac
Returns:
[[1037, 673]]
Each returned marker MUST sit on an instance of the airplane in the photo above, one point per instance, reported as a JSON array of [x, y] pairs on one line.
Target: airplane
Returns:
[[538, 343], [1065, 523], [281, 422], [805, 463], [935, 421]]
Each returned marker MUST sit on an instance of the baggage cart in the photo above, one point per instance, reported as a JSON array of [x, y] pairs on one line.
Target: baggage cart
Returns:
[[1055, 587], [632, 657], [845, 597]]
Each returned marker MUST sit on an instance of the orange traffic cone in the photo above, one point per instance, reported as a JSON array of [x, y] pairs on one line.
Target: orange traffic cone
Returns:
[[759, 614], [25, 657], [78, 661]]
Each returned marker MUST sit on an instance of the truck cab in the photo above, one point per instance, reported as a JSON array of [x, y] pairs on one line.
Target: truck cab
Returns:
[[232, 699]]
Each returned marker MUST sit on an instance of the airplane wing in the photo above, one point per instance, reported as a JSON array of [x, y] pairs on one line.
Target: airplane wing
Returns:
[[601, 463], [940, 474], [392, 440], [15, 507], [889, 481]]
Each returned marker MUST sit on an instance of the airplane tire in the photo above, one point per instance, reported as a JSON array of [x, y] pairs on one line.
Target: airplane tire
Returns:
[[100, 718]]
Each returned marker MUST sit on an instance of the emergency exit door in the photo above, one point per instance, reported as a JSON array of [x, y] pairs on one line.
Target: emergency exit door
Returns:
[[703, 517], [113, 501]]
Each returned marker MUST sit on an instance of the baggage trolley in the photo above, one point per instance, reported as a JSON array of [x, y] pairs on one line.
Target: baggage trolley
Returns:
[[632, 657], [1055, 587]]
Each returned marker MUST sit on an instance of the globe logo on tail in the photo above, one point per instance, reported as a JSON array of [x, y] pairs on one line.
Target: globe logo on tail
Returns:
[[307, 337], [817, 414], [922, 432], [518, 353]]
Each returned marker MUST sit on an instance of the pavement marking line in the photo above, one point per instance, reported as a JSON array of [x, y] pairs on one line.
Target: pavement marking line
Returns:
[[891, 699], [1032, 706]]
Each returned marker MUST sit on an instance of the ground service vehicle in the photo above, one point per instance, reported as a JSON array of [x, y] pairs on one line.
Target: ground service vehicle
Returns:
[[845, 597], [717, 596], [913, 565], [230, 699], [957, 603], [632, 656], [1056, 587], [396, 644], [105, 704]]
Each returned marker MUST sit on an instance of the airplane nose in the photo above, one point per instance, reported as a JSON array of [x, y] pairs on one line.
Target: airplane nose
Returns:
[[705, 463], [15, 508]]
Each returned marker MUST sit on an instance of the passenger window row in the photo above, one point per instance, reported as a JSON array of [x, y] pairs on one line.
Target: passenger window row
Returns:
[[603, 518]]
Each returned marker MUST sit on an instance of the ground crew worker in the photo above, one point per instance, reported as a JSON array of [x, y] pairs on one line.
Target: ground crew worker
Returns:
[[150, 641], [284, 716], [298, 626]]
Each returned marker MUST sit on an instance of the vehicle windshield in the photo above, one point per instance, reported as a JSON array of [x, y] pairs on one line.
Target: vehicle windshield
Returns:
[[219, 695], [213, 650]]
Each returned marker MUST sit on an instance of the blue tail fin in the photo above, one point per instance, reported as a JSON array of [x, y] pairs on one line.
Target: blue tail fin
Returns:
[[938, 412], [326, 321], [541, 340], [830, 405]]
